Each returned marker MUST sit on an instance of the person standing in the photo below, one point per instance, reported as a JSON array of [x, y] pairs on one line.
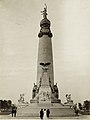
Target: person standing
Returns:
[[41, 114], [48, 112], [15, 111], [45, 116], [12, 111]]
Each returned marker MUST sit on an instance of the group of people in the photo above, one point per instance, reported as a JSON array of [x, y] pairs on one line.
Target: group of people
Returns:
[[44, 113]]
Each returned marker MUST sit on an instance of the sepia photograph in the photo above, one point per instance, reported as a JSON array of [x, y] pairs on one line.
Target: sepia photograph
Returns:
[[45, 59]]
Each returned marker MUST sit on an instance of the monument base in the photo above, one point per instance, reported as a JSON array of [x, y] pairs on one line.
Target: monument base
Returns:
[[56, 110]]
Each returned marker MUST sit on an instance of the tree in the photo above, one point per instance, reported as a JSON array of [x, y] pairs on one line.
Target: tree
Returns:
[[5, 105], [80, 106], [86, 105], [9, 104]]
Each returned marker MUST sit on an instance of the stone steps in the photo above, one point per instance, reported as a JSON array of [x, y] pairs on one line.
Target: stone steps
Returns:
[[56, 110]]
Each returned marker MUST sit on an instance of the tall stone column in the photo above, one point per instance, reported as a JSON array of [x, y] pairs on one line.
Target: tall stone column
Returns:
[[45, 55], [45, 90]]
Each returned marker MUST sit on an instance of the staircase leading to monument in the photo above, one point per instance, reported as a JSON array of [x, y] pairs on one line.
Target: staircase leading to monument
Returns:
[[56, 110]]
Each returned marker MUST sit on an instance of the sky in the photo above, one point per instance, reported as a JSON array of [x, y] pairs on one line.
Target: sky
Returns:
[[19, 28]]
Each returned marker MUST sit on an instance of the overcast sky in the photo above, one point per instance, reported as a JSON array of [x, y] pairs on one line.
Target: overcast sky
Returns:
[[19, 27]]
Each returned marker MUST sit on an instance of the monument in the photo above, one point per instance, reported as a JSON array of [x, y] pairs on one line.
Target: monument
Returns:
[[45, 91], [45, 94]]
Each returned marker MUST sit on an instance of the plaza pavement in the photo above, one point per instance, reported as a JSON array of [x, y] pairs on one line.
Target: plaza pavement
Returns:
[[80, 117]]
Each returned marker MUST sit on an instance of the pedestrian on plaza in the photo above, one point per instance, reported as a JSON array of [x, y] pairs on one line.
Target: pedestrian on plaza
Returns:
[[12, 111], [15, 111], [48, 112], [41, 114], [45, 116]]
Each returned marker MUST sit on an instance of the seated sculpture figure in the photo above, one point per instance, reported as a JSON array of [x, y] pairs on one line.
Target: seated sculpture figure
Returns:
[[21, 98], [68, 99], [21, 101]]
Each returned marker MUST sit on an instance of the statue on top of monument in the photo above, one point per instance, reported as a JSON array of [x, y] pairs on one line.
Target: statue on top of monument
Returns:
[[45, 24], [44, 12]]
